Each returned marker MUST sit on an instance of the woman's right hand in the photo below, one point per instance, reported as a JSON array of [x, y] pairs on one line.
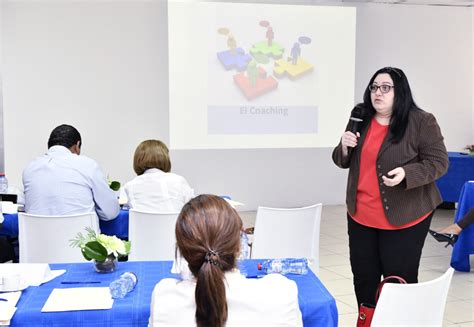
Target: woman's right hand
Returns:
[[349, 140]]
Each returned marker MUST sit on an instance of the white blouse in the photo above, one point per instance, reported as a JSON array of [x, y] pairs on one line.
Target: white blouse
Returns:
[[269, 301], [157, 191]]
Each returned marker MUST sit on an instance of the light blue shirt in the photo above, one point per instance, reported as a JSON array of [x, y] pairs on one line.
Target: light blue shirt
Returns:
[[63, 183]]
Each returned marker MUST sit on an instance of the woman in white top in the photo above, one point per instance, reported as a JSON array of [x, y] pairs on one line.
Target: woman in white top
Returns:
[[208, 237], [155, 189]]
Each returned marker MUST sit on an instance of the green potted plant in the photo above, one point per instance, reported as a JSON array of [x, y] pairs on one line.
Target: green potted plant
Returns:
[[102, 249], [114, 185]]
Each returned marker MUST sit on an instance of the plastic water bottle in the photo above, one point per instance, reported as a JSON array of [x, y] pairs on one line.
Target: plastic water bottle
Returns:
[[285, 266], [244, 246], [244, 252], [125, 284], [3, 183]]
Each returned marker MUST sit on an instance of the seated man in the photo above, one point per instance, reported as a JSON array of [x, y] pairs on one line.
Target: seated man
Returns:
[[62, 182]]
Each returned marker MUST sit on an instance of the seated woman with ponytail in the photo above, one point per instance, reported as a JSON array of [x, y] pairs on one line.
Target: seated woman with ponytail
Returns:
[[208, 237]]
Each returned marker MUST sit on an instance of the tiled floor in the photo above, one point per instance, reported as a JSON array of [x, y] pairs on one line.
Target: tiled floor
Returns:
[[335, 271]]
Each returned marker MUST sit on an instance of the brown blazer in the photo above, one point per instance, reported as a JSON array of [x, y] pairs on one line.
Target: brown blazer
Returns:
[[423, 156]]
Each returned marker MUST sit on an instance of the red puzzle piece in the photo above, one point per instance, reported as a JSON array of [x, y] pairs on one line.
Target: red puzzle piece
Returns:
[[263, 84]]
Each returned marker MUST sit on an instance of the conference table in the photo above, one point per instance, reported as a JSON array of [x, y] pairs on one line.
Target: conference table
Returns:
[[465, 243], [461, 169], [318, 307], [117, 226]]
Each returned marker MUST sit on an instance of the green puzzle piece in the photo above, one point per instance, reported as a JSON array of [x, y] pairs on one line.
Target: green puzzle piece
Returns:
[[275, 50]]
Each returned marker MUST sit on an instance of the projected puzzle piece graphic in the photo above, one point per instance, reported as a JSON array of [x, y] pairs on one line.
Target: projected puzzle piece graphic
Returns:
[[238, 60], [263, 84], [283, 67], [275, 50]]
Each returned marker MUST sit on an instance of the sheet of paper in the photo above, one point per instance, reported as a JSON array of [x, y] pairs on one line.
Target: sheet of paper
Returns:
[[7, 308], [11, 297], [6, 313], [75, 299]]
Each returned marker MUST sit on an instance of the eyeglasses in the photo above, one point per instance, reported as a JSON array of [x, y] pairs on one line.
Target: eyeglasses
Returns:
[[384, 88]]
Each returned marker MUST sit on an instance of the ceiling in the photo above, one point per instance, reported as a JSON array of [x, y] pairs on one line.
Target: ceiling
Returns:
[[450, 3]]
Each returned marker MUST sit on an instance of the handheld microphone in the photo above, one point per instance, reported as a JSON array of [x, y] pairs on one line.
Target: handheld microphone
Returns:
[[356, 124], [356, 119]]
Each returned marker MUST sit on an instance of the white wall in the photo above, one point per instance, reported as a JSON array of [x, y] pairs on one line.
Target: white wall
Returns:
[[102, 67], [433, 45], [471, 139], [2, 161], [98, 66]]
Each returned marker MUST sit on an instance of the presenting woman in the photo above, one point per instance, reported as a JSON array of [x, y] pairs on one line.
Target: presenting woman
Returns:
[[391, 194], [208, 237]]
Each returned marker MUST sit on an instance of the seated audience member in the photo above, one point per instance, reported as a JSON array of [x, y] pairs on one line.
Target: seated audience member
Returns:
[[208, 237], [62, 182], [449, 234], [155, 189]]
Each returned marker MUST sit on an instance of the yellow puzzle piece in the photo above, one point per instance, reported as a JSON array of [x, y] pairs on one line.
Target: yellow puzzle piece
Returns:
[[283, 67]]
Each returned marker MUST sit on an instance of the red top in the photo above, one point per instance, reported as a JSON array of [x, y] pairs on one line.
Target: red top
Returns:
[[369, 210]]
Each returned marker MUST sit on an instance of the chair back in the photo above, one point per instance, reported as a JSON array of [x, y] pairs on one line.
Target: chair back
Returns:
[[288, 233], [152, 235], [46, 239], [420, 304]]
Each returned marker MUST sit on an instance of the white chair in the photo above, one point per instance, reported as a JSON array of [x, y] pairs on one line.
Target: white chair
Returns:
[[288, 233], [419, 304], [152, 235], [46, 239]]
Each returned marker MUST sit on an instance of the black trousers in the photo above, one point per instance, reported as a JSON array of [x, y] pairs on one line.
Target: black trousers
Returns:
[[7, 252], [375, 253]]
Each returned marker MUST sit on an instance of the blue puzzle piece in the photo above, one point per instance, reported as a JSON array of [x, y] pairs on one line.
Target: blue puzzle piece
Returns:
[[238, 60]]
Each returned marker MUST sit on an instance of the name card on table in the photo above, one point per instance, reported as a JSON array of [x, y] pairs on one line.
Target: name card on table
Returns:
[[31, 274]]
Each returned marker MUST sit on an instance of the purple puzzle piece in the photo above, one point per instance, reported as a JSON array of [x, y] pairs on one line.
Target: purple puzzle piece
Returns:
[[237, 60]]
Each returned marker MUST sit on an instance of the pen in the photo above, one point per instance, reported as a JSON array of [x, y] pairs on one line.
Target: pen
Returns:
[[89, 282], [2, 299], [254, 276]]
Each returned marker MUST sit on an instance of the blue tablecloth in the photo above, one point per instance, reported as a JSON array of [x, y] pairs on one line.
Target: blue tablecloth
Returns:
[[318, 307], [465, 244], [461, 170], [117, 226]]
